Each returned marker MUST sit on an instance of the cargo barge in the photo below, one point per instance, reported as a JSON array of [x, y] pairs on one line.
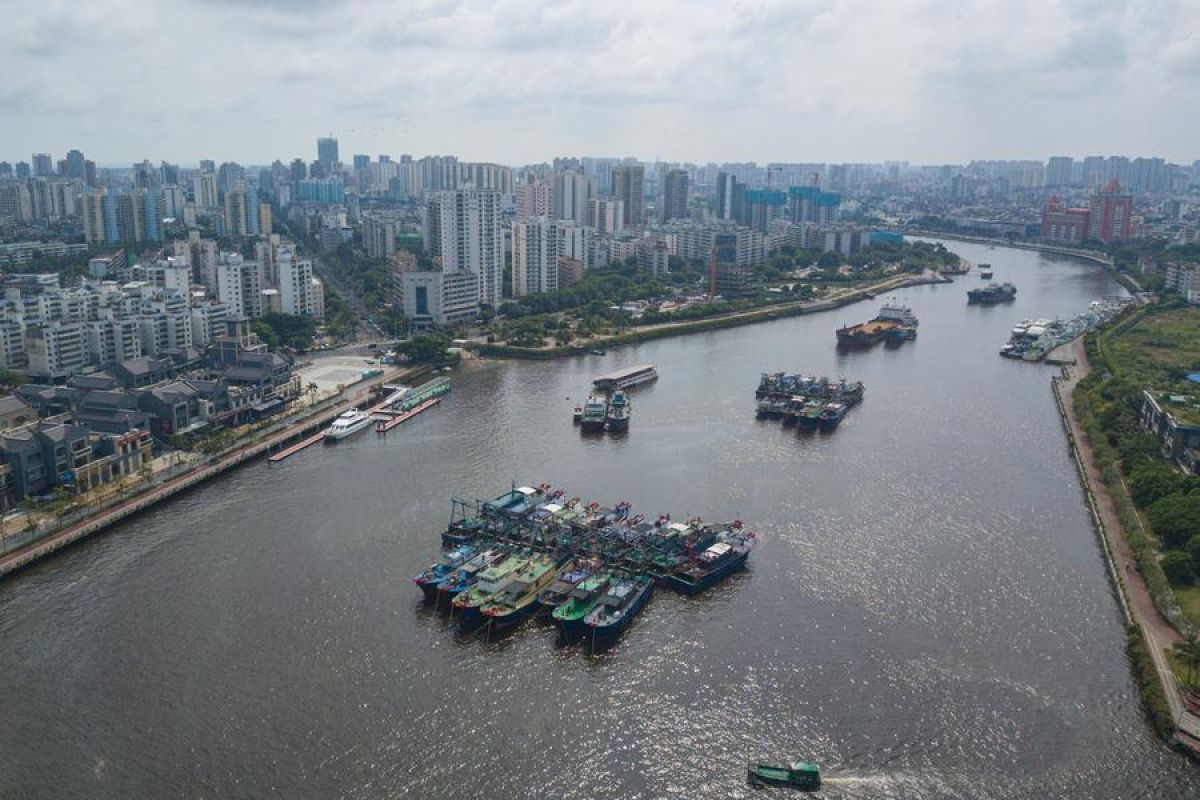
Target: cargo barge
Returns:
[[590, 568], [894, 323], [626, 378]]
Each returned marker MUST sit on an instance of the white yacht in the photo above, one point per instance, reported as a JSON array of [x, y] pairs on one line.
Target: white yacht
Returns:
[[348, 423]]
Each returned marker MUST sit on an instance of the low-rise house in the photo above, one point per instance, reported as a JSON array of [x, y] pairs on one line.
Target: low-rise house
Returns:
[[15, 412], [1174, 419]]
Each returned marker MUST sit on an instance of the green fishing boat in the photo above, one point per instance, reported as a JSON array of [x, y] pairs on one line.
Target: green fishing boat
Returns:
[[518, 600], [581, 602], [492, 581], [803, 775]]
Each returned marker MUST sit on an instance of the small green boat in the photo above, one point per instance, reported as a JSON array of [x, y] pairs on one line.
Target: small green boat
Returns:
[[582, 600], [803, 775]]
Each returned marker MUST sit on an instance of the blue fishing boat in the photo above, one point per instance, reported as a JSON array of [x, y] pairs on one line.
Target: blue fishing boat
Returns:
[[433, 575], [622, 601], [718, 561], [832, 416], [464, 577]]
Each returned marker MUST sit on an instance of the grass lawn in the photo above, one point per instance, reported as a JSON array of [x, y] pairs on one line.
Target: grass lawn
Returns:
[[1159, 347]]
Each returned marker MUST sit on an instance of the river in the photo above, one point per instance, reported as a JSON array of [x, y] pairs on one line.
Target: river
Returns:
[[927, 616]]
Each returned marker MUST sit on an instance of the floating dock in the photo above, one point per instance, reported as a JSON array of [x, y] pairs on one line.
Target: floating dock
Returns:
[[291, 450], [385, 425]]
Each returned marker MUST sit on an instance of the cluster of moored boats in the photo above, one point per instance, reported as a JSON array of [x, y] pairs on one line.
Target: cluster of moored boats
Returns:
[[1032, 340], [805, 401], [608, 407], [589, 569]]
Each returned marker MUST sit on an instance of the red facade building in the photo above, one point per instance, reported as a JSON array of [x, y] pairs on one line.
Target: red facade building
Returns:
[[1111, 214], [1062, 224]]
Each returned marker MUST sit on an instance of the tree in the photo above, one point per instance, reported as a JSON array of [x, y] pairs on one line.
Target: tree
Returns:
[[1175, 518], [1188, 652], [428, 349], [829, 260], [1192, 548], [1177, 567]]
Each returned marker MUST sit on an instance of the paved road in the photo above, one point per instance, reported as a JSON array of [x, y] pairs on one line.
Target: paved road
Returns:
[[1159, 633]]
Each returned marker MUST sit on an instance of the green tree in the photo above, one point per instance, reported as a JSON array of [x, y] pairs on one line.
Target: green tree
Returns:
[[1177, 567], [1175, 518], [428, 349], [1192, 548], [1188, 652]]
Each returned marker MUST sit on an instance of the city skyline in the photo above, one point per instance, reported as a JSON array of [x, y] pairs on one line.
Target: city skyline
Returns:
[[509, 82]]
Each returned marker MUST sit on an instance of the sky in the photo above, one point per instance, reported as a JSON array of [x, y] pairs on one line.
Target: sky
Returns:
[[517, 81]]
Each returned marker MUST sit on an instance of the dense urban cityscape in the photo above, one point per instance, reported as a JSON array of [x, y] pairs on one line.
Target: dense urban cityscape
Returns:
[[335, 465]]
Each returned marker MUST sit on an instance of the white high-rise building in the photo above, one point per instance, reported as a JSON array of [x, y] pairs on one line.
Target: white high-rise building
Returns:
[[296, 295], [463, 229], [535, 245], [239, 286], [577, 242]]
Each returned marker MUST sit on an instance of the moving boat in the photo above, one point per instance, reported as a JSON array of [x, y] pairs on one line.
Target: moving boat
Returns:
[[490, 583], [582, 600], [519, 598], [803, 775], [832, 415], [432, 576], [622, 601], [350, 422], [595, 414], [992, 293], [618, 411]]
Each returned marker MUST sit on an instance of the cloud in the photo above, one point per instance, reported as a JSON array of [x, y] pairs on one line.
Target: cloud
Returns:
[[521, 80]]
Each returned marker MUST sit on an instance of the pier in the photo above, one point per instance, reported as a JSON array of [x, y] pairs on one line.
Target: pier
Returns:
[[386, 425]]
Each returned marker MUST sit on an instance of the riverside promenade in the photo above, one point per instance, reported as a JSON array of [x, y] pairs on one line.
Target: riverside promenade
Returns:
[[1133, 594], [102, 519]]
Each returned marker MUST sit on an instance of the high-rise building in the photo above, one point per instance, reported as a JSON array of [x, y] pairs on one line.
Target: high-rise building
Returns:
[[729, 196], [139, 216], [572, 192], [1110, 214], [1062, 224], [535, 252], [463, 229], [296, 293], [534, 197], [241, 211], [75, 165], [606, 215], [810, 204], [16, 204], [379, 236], [43, 165], [239, 286], [229, 175], [653, 256], [674, 195], [629, 186], [204, 190], [327, 153], [1058, 171]]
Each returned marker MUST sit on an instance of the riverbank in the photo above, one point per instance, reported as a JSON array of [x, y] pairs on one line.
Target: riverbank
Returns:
[[1156, 680], [1093, 256], [666, 329], [109, 515]]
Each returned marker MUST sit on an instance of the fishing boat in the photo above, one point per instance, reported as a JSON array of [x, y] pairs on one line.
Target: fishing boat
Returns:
[[577, 416], [430, 577], [718, 561], [518, 600], [582, 600], [618, 411], [595, 414], [832, 416], [347, 424], [810, 415], [490, 583], [463, 578], [803, 775], [557, 593], [795, 408], [985, 271], [622, 601]]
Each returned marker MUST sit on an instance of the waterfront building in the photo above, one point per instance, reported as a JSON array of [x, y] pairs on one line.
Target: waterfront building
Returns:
[[653, 256], [535, 253], [463, 230], [810, 204], [1110, 214], [1183, 278], [1173, 421], [1062, 224]]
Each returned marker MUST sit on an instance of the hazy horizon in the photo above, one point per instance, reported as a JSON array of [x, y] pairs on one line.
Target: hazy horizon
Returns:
[[519, 82]]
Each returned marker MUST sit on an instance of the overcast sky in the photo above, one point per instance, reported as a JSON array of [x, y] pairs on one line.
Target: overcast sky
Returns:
[[519, 81]]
